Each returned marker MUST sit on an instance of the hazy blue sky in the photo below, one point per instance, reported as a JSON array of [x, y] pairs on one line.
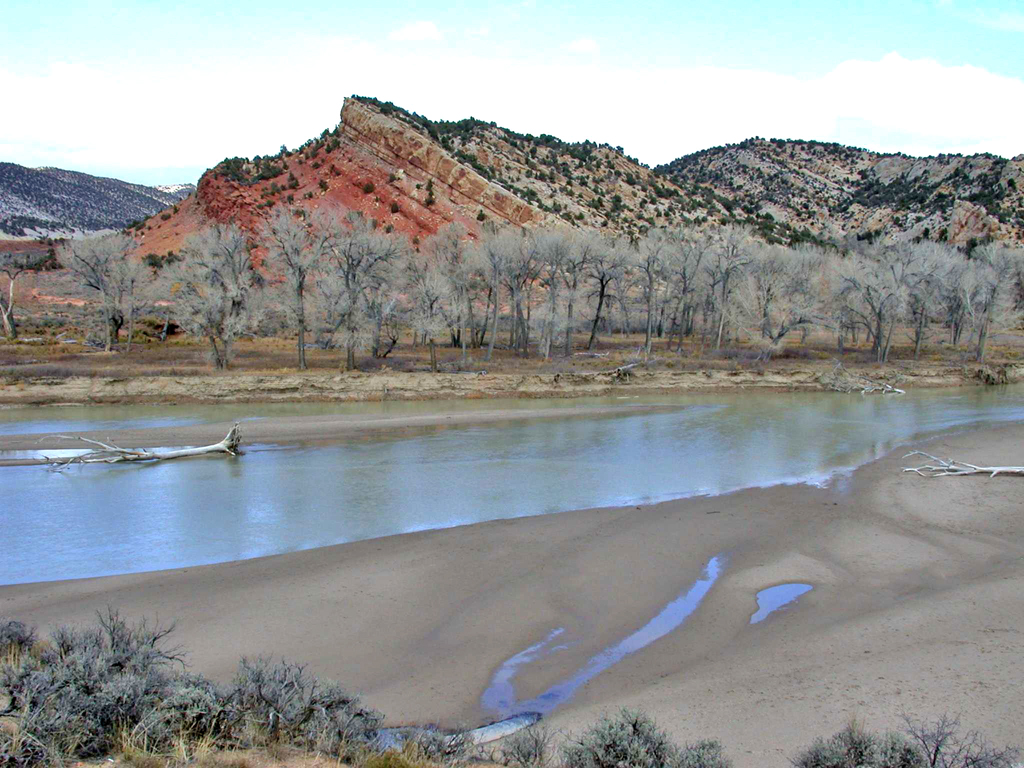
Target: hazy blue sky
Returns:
[[159, 91]]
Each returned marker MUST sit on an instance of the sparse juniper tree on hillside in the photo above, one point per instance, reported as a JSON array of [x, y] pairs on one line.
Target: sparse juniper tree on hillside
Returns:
[[216, 289]]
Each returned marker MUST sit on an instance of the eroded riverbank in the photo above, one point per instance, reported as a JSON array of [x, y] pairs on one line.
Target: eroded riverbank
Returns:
[[387, 385]]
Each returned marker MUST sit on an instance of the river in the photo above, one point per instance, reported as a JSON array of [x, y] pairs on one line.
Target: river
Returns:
[[102, 520]]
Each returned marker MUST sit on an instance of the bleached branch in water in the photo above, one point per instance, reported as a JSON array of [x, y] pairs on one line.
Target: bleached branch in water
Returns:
[[951, 467], [108, 453]]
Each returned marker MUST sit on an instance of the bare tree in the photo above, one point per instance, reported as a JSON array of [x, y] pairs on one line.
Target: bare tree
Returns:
[[727, 258], [874, 286], [944, 745], [992, 302], [584, 247], [650, 256], [775, 294], [13, 265], [607, 260], [295, 252], [521, 271], [356, 258], [451, 255], [494, 252], [100, 263], [215, 288], [553, 250], [683, 273]]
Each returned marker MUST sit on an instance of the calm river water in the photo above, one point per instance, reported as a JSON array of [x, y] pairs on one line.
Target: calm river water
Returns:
[[95, 520]]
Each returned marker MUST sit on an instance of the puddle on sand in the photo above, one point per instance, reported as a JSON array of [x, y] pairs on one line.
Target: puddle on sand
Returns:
[[777, 597], [500, 695]]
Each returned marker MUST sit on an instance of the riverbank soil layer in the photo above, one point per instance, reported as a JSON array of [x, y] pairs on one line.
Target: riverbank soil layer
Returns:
[[917, 606]]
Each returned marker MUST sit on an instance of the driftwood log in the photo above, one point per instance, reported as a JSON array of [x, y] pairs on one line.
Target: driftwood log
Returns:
[[108, 453], [954, 467], [841, 380]]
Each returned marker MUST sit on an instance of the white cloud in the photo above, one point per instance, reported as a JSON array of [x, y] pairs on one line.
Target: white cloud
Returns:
[[482, 31], [186, 118], [583, 45], [1007, 21], [416, 31]]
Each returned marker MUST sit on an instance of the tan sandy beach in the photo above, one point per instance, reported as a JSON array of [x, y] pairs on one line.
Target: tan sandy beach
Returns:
[[918, 604]]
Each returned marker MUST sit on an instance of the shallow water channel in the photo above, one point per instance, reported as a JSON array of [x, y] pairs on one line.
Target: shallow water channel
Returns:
[[99, 520]]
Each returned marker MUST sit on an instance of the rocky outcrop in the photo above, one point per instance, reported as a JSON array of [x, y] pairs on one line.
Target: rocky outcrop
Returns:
[[835, 192], [399, 145]]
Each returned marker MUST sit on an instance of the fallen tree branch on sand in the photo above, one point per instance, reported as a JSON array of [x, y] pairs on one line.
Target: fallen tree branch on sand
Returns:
[[954, 467], [108, 453], [841, 380]]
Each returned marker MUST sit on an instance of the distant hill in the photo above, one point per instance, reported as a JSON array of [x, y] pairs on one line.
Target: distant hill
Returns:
[[54, 202], [834, 192]]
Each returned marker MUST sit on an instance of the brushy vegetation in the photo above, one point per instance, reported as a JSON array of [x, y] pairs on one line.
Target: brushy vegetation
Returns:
[[631, 739], [119, 688], [941, 744]]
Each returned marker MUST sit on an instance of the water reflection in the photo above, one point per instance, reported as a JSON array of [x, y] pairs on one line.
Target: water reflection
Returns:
[[777, 597], [98, 520], [500, 695]]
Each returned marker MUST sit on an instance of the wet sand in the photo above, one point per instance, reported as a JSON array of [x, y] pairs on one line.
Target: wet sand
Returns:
[[918, 605]]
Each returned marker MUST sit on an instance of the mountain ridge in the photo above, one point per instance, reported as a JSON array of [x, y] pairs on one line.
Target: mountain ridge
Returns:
[[414, 175], [50, 201]]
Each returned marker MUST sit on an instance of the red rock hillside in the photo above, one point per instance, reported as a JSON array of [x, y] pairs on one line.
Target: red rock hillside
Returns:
[[370, 163]]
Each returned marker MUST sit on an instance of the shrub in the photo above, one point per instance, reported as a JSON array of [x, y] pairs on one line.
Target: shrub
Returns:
[[528, 748], [368, 187], [631, 739], [323, 185], [15, 638], [856, 747], [395, 208], [946, 747], [293, 706], [703, 754], [91, 691]]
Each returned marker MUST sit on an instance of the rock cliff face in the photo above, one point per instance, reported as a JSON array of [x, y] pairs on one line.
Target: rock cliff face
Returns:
[[835, 192]]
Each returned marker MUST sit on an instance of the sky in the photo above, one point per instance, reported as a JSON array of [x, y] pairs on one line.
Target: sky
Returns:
[[157, 92]]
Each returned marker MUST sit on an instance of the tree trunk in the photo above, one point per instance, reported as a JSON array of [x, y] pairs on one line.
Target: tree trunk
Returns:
[[108, 322], [433, 356], [7, 313], [494, 326], [7, 317], [597, 317], [219, 357], [568, 329], [131, 328], [302, 331], [982, 338]]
